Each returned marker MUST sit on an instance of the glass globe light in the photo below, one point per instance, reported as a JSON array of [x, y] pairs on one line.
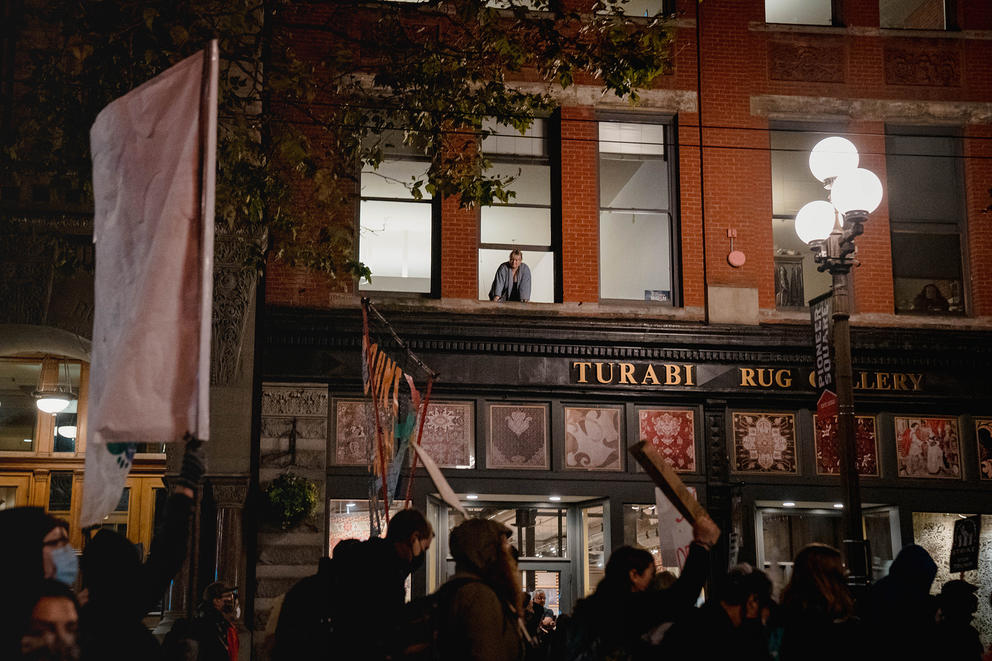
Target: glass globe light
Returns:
[[52, 402], [815, 221], [832, 156], [67, 431], [856, 190]]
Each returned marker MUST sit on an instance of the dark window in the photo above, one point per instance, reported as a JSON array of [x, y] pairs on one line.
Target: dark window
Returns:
[[925, 177], [65, 432], [125, 500], [793, 185], [60, 491], [524, 223], [913, 14], [18, 411], [638, 241]]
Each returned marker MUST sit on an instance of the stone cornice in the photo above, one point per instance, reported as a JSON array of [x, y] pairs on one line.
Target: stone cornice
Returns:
[[628, 340]]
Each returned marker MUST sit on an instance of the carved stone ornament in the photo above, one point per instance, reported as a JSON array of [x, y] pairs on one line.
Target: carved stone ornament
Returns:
[[933, 66], [294, 400], [234, 293], [229, 492], [819, 62]]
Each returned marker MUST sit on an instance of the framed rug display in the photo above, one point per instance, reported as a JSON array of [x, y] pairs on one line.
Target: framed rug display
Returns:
[[354, 422], [764, 443], [449, 434], [983, 432], [673, 433], [928, 447], [518, 436], [828, 451], [592, 438]]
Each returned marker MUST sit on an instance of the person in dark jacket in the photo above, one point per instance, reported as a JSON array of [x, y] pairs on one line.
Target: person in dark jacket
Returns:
[[331, 610], [898, 611], [956, 639], [482, 614], [51, 633], [119, 590], [728, 626], [35, 547], [612, 623], [816, 620], [215, 629], [512, 280]]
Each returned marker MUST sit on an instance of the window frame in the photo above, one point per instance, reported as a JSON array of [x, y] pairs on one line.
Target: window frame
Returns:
[[950, 21], [669, 122], [435, 241], [825, 129], [931, 226], [552, 133], [836, 7]]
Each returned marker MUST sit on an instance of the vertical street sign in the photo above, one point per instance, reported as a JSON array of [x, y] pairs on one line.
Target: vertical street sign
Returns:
[[820, 314]]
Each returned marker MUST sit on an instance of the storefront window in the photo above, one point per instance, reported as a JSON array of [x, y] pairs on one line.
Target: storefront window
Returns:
[[934, 532], [349, 519], [782, 533], [537, 532], [18, 412], [593, 547]]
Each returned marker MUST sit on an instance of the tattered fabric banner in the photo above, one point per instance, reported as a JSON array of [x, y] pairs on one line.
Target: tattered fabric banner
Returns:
[[397, 407], [153, 185]]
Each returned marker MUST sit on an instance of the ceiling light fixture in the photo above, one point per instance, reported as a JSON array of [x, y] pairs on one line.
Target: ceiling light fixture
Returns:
[[788, 503], [55, 399], [472, 496], [554, 499]]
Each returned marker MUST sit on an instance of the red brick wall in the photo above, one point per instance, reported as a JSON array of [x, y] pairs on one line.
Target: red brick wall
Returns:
[[736, 160], [580, 204], [978, 178]]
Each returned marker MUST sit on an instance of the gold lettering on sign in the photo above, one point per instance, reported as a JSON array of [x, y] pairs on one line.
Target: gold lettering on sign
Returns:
[[899, 381], [627, 373], [649, 374], [783, 378], [747, 377], [673, 375], [762, 372], [882, 381], [688, 375], [812, 378], [582, 371], [917, 380], [599, 373]]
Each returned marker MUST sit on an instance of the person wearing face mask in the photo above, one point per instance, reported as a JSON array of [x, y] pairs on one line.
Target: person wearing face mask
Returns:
[[331, 610], [215, 631], [35, 548]]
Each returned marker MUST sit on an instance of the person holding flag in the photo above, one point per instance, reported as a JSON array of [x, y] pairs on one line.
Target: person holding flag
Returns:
[[118, 589]]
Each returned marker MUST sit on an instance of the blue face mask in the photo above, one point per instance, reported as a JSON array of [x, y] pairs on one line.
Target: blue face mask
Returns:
[[66, 564]]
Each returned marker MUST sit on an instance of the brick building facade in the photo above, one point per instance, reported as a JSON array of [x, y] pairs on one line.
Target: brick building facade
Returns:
[[730, 344]]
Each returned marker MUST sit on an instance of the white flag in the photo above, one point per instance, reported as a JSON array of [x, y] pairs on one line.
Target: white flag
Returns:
[[153, 187]]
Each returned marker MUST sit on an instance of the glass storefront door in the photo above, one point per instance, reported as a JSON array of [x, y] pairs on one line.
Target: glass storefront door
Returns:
[[561, 545]]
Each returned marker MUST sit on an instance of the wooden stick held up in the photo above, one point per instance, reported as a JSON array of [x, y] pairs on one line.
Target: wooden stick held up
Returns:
[[668, 481]]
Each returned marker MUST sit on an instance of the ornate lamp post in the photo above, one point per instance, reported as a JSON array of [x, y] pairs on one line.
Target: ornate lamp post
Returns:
[[830, 229]]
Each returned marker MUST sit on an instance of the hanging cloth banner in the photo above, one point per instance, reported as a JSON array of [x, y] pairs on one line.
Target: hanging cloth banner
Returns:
[[153, 186]]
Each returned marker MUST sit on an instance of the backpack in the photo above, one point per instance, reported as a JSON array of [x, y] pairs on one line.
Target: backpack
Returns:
[[417, 636]]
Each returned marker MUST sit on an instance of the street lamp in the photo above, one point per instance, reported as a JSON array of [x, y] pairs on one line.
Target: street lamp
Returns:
[[830, 229]]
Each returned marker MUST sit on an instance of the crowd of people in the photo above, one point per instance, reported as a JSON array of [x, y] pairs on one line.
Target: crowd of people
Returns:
[[56, 608]]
